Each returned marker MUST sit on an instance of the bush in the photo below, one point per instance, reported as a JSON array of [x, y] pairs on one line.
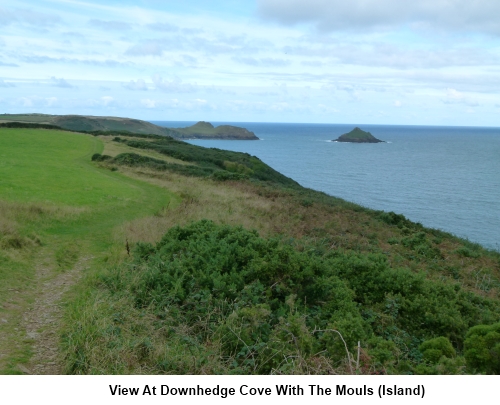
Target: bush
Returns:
[[255, 305], [260, 299], [391, 218], [466, 252], [482, 348], [97, 157], [436, 348]]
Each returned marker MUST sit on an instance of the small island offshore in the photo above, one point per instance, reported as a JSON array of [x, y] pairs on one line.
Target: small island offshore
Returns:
[[357, 135]]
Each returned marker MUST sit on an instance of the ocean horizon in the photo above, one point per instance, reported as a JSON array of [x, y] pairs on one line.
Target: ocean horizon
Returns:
[[444, 177]]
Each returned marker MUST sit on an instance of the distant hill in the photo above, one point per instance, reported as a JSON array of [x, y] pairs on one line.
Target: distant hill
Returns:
[[206, 130], [88, 123], [357, 135]]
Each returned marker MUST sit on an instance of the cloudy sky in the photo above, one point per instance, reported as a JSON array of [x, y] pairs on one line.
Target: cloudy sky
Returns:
[[430, 62]]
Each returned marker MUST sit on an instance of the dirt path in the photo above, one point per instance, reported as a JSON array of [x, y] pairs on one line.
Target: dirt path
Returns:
[[42, 319]]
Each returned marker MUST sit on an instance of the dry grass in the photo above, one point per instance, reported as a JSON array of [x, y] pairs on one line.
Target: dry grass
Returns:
[[278, 212], [251, 206]]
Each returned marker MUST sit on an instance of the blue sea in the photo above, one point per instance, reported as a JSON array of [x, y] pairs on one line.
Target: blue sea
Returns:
[[443, 177]]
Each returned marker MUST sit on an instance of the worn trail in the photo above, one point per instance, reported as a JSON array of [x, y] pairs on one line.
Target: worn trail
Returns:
[[43, 319]]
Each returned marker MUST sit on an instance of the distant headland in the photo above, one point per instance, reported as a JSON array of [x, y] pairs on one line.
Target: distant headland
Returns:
[[205, 130], [357, 135], [89, 123]]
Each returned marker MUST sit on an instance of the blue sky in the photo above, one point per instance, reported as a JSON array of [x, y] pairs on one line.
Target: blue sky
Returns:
[[330, 61]]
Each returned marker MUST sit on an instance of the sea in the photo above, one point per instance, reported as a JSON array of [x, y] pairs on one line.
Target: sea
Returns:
[[446, 178]]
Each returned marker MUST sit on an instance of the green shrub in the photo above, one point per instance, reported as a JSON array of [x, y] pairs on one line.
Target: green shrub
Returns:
[[445, 366], [482, 348], [255, 305], [258, 298], [393, 241], [97, 157], [436, 348], [466, 252], [392, 218]]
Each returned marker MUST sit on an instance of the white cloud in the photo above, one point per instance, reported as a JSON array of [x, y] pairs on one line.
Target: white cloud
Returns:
[[60, 82], [378, 54], [35, 102], [39, 59], [210, 43], [327, 109], [146, 48], [148, 103], [331, 15], [173, 86], [107, 100], [8, 64], [162, 27], [264, 62], [397, 103], [30, 17], [51, 101], [139, 84], [3, 83], [110, 25], [454, 96]]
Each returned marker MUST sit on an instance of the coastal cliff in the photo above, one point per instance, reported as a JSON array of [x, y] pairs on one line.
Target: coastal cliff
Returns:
[[93, 124]]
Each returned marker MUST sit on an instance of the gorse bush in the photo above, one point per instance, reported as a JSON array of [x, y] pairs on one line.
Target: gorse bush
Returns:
[[259, 305], [482, 348], [253, 288], [434, 349]]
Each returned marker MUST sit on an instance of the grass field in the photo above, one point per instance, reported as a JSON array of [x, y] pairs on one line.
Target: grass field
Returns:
[[55, 209]]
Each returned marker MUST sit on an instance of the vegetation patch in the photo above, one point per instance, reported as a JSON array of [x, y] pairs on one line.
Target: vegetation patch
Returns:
[[215, 159], [255, 305]]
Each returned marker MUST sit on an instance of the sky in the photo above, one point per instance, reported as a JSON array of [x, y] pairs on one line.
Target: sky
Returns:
[[429, 62]]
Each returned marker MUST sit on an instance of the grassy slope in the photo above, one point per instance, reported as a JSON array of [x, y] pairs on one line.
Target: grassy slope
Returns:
[[316, 224], [82, 123], [50, 195]]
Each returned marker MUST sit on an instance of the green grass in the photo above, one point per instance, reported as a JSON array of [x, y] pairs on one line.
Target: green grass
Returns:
[[53, 199]]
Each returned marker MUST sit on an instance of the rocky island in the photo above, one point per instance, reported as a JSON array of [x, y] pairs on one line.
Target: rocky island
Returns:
[[357, 135], [205, 130]]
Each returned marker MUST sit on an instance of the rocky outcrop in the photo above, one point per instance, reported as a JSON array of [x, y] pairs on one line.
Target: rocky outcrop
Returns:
[[357, 135]]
